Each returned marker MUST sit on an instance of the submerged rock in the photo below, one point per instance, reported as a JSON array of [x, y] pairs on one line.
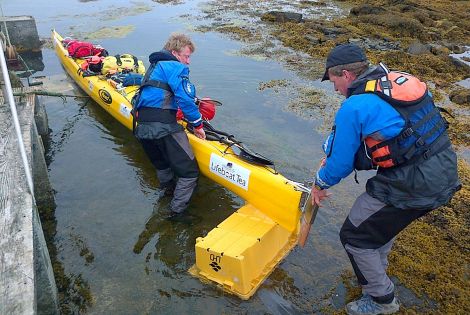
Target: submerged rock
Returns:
[[282, 17]]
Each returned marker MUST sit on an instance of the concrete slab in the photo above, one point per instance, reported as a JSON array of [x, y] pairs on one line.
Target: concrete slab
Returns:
[[22, 32]]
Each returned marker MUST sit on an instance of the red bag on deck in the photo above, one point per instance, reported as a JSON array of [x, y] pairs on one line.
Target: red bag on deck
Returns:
[[205, 106], [78, 49]]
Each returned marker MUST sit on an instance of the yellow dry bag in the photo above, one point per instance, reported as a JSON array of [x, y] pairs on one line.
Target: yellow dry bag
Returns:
[[122, 63]]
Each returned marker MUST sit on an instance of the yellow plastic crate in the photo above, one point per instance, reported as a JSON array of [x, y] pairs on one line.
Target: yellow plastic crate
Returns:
[[242, 251]]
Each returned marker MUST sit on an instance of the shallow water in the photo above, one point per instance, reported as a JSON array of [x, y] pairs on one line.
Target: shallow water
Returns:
[[106, 189]]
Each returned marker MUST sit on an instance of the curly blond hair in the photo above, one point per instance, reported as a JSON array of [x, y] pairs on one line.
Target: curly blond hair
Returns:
[[177, 41]]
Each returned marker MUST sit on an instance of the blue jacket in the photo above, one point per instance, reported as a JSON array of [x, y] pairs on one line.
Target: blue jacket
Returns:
[[426, 184], [176, 74], [359, 116]]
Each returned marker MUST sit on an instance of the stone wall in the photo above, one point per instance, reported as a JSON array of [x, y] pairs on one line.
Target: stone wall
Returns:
[[22, 32]]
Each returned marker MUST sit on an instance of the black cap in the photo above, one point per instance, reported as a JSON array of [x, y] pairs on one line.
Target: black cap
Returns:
[[342, 55]]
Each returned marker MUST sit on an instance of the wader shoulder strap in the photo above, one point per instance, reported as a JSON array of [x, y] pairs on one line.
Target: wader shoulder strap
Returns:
[[146, 82], [157, 84]]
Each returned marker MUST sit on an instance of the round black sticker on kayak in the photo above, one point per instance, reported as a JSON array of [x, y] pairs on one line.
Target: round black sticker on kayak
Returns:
[[105, 96]]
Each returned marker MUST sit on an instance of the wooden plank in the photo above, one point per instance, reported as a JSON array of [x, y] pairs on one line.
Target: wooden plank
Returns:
[[17, 293]]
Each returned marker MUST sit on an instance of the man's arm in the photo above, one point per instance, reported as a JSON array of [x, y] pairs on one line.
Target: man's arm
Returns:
[[341, 147], [185, 94]]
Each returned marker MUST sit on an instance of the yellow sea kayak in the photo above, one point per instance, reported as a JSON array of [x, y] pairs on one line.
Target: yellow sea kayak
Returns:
[[242, 250]]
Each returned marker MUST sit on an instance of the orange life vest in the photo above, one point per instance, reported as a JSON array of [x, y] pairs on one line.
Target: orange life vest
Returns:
[[424, 131]]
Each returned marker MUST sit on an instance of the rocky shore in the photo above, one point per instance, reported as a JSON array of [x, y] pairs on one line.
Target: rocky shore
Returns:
[[430, 39]]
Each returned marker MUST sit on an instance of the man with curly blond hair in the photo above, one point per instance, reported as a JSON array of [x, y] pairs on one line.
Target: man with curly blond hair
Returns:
[[165, 88]]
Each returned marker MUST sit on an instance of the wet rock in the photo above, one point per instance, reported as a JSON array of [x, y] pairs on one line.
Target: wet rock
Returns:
[[331, 31], [417, 48], [355, 41], [366, 9], [375, 44], [282, 17], [456, 49], [312, 39], [381, 44], [408, 298], [439, 49], [460, 96], [464, 83], [459, 61]]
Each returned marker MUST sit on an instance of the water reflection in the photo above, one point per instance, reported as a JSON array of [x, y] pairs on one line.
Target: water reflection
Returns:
[[74, 293], [61, 137], [173, 242], [276, 304], [280, 294]]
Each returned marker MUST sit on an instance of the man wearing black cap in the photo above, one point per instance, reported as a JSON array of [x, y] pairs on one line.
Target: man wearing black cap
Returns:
[[406, 142]]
